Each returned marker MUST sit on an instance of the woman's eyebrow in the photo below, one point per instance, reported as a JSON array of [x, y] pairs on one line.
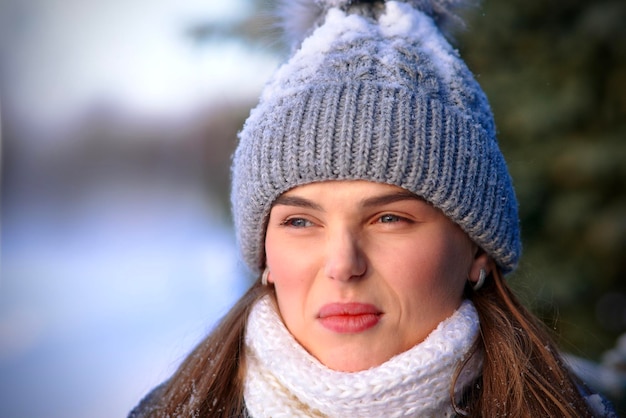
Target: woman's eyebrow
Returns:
[[385, 199], [297, 201], [390, 198]]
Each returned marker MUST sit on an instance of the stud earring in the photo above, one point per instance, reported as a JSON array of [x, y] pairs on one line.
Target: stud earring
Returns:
[[481, 280], [265, 275]]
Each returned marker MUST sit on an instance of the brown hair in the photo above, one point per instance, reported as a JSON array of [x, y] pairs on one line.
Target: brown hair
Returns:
[[209, 382], [523, 374]]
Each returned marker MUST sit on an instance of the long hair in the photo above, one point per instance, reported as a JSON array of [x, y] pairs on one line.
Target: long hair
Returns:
[[523, 374], [209, 382]]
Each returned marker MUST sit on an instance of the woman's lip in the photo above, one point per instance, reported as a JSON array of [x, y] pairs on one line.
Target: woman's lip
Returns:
[[349, 318], [352, 308]]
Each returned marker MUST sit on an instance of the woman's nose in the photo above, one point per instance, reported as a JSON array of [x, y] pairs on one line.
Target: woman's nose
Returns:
[[345, 259]]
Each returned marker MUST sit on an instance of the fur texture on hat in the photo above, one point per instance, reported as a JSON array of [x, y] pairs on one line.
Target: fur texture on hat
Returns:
[[375, 92], [298, 18]]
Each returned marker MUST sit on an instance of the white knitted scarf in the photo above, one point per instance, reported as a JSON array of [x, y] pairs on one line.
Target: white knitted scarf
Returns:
[[284, 380]]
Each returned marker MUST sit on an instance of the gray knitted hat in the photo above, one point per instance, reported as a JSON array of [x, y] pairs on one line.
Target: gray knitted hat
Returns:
[[375, 92]]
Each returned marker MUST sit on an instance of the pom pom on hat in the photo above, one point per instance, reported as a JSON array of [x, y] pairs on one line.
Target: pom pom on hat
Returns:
[[298, 18], [375, 92]]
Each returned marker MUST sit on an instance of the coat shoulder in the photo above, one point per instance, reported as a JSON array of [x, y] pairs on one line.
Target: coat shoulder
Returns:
[[148, 406]]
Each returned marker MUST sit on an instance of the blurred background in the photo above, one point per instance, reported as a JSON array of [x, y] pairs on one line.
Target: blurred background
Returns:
[[117, 122]]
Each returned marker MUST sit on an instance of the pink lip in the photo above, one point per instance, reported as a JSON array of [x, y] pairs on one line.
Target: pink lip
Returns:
[[349, 318]]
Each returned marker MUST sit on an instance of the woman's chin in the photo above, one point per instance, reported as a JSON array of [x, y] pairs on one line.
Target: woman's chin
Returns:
[[351, 362]]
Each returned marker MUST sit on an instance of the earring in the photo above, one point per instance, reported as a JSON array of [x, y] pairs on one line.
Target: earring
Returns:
[[481, 280], [265, 275]]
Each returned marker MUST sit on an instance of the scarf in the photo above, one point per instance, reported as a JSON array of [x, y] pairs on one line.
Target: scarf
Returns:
[[283, 380]]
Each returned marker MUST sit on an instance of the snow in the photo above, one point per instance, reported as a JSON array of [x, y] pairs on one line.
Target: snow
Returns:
[[399, 22], [402, 20]]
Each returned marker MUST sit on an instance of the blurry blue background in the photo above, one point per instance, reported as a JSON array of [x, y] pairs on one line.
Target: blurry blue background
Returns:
[[117, 122], [118, 119]]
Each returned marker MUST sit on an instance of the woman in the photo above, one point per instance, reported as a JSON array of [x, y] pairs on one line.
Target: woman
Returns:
[[371, 199]]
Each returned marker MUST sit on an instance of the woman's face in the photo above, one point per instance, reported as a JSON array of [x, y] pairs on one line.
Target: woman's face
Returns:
[[363, 271]]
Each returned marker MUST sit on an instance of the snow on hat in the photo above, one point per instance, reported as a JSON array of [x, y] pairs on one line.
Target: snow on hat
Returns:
[[375, 92]]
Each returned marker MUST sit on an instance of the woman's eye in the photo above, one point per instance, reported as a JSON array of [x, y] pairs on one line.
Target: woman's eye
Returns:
[[388, 218], [297, 222]]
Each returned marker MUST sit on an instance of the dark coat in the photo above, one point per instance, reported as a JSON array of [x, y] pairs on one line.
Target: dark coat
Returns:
[[147, 406]]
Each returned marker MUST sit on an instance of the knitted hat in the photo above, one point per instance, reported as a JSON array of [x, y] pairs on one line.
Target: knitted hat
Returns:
[[375, 92]]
